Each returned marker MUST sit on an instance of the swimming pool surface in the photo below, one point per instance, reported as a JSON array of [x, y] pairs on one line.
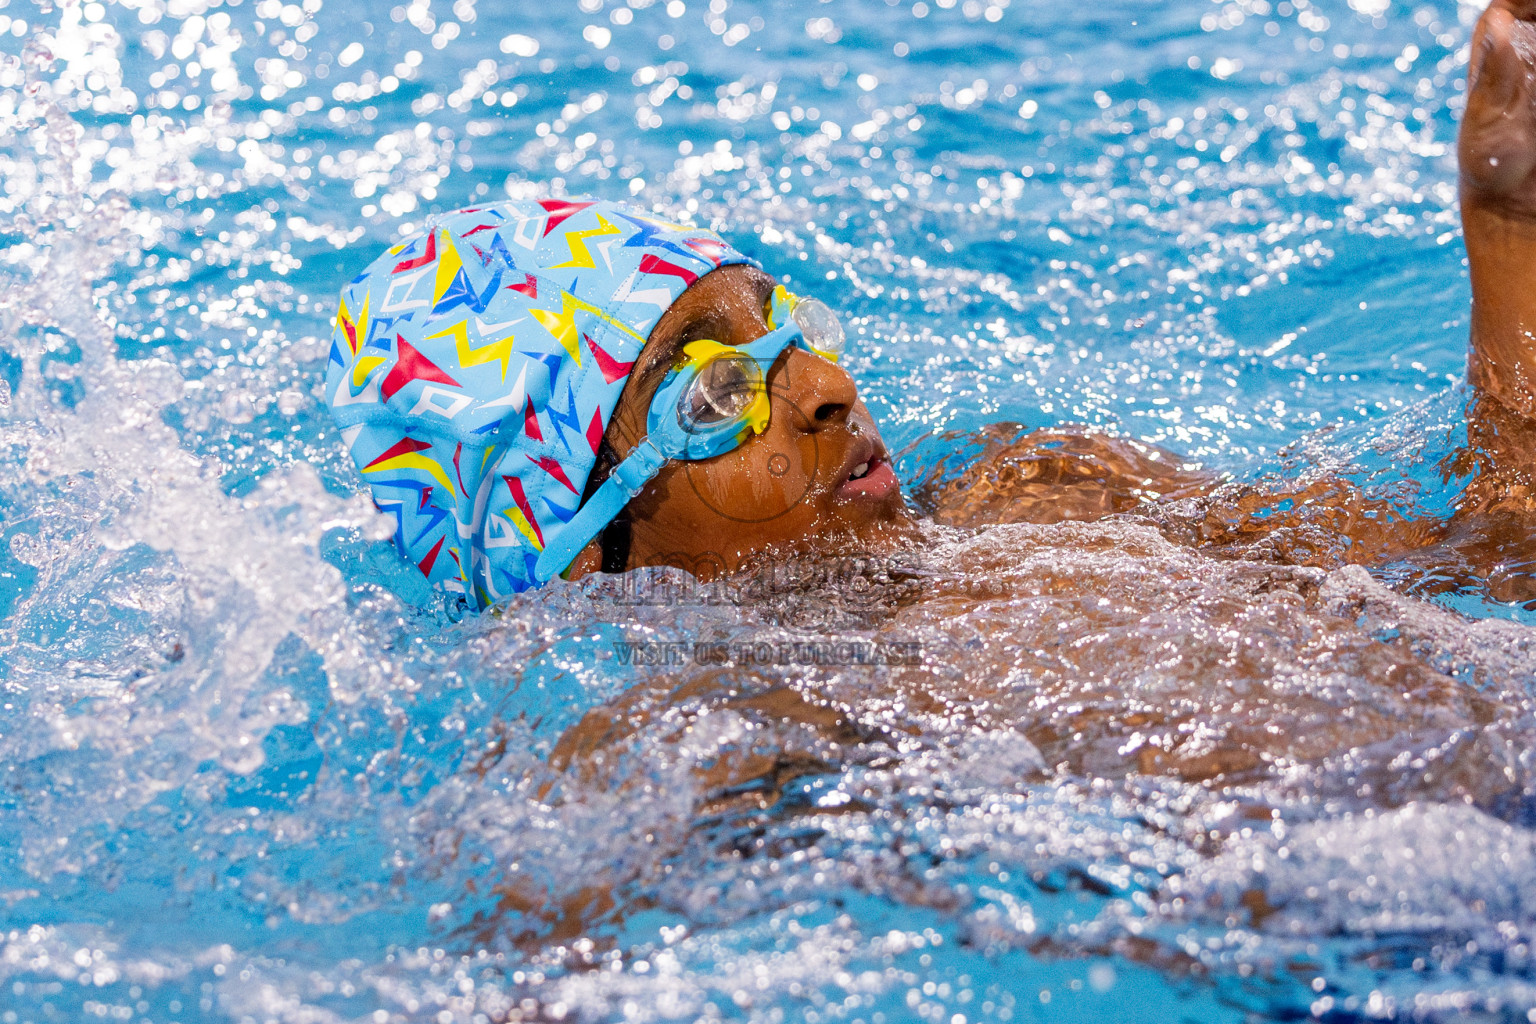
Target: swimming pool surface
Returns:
[[249, 771]]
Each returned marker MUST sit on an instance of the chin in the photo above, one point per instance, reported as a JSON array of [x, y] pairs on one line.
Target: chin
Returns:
[[863, 519]]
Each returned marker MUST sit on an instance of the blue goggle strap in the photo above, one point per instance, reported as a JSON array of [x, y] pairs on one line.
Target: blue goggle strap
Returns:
[[646, 460], [627, 480]]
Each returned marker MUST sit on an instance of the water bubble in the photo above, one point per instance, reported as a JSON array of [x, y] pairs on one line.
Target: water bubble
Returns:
[[37, 53], [221, 681]]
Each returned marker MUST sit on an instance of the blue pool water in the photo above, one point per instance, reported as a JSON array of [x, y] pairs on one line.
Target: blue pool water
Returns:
[[252, 773]]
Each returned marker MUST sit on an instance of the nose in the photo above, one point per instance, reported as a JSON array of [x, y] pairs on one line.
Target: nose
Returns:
[[821, 393]]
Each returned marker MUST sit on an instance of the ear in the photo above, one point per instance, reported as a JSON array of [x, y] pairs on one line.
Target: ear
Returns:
[[589, 561]]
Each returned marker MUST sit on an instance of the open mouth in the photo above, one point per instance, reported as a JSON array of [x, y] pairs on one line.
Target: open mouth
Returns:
[[870, 475]]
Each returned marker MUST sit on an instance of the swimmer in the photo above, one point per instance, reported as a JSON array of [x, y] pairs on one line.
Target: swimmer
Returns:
[[558, 387], [509, 410], [554, 387]]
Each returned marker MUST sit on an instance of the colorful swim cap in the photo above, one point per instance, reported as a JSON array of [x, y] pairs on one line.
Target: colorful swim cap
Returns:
[[474, 369]]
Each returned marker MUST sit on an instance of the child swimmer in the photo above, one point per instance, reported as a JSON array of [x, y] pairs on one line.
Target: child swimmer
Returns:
[[552, 387], [488, 456], [556, 387]]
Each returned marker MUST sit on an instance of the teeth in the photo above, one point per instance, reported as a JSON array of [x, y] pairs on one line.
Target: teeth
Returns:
[[859, 470]]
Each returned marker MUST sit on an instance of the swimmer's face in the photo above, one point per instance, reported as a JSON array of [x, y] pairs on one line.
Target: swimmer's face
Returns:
[[820, 470]]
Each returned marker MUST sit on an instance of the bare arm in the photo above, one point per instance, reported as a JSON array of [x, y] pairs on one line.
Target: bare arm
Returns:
[[1497, 149], [1049, 476]]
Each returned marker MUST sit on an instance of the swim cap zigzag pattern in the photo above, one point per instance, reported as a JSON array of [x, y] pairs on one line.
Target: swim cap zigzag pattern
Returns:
[[474, 368]]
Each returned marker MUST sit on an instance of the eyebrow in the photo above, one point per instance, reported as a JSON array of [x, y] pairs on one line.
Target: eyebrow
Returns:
[[665, 357], [705, 326]]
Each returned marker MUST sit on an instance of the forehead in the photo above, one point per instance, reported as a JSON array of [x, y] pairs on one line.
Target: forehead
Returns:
[[724, 294], [725, 305]]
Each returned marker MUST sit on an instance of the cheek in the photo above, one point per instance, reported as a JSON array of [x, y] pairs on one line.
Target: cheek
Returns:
[[765, 480]]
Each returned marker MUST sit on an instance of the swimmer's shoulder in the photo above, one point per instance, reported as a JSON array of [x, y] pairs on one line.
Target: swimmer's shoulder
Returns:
[[1007, 473]]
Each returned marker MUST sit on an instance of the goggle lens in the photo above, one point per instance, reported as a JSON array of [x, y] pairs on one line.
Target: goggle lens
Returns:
[[724, 390], [822, 330]]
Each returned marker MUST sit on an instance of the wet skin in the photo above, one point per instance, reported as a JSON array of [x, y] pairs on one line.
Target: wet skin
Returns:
[[1497, 150], [819, 427], [1490, 541], [787, 488], [1068, 474]]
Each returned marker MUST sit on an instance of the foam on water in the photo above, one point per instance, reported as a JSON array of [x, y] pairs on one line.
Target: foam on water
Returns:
[[253, 771]]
